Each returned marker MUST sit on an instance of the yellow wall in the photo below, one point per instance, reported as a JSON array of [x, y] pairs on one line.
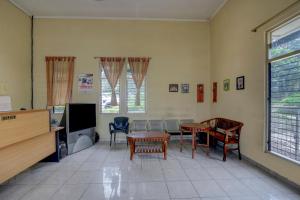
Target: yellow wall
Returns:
[[179, 51], [15, 55], [236, 51]]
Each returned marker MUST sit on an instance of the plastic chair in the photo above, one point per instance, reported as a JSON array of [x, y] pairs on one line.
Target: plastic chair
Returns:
[[120, 125], [138, 125], [156, 125]]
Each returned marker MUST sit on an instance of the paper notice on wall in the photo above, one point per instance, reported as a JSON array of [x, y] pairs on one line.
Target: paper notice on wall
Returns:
[[5, 103], [85, 83]]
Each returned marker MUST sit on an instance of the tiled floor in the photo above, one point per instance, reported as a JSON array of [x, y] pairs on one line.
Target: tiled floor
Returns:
[[103, 173]]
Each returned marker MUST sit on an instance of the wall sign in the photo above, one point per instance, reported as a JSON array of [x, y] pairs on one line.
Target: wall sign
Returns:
[[215, 90], [85, 83], [200, 93]]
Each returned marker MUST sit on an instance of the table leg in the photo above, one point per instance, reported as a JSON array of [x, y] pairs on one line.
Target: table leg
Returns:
[[193, 143], [165, 149], [181, 140], [132, 149], [207, 142]]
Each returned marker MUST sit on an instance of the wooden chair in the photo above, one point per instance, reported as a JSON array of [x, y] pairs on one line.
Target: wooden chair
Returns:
[[227, 132]]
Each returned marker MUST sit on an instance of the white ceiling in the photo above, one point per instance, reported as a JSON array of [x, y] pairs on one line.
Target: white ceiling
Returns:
[[128, 9]]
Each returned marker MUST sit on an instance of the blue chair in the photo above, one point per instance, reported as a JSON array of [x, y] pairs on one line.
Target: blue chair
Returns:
[[120, 125]]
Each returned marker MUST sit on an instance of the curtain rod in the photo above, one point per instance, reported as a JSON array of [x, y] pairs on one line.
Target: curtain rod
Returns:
[[120, 57], [274, 16]]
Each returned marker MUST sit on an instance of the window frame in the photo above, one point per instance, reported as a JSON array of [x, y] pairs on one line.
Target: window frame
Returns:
[[268, 61], [123, 106]]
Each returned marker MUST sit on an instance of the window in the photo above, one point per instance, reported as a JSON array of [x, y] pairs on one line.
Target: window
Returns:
[[106, 96], [127, 86], [58, 109], [131, 93], [284, 90]]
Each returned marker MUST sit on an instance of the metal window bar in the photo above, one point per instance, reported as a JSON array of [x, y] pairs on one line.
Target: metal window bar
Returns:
[[284, 113]]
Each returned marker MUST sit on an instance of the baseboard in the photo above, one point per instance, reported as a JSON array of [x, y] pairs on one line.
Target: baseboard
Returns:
[[272, 173]]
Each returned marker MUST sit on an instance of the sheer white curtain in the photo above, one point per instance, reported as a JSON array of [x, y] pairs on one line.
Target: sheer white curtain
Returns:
[[112, 67], [60, 74], [138, 67]]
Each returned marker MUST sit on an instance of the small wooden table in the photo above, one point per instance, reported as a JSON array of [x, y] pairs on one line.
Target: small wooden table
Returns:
[[194, 128], [144, 137]]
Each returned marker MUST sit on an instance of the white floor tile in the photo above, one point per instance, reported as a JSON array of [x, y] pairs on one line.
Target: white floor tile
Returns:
[[209, 188], [235, 188], [198, 174], [41, 192], [181, 189], [70, 192], [58, 177], [101, 172], [175, 175], [153, 190], [14, 192], [97, 192], [219, 173]]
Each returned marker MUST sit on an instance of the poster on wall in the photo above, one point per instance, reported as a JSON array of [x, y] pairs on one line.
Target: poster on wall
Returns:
[[215, 89], [200, 93], [185, 88], [85, 83]]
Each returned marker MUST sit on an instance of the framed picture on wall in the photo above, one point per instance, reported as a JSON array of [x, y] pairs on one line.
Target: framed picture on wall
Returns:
[[200, 93], [173, 87], [215, 90], [226, 85], [240, 83], [185, 88]]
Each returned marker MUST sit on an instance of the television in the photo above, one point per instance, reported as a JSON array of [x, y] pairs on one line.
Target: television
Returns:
[[79, 120], [79, 116]]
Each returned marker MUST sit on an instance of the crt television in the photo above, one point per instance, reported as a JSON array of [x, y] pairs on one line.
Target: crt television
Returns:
[[79, 116], [79, 120]]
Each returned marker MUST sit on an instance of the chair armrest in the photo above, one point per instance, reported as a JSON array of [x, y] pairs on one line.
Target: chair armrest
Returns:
[[111, 126], [231, 131], [127, 127], [233, 128]]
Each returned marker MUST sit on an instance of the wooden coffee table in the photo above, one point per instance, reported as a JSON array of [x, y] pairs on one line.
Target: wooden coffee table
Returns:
[[145, 137]]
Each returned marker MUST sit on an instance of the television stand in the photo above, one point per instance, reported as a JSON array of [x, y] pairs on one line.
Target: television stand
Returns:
[[79, 140]]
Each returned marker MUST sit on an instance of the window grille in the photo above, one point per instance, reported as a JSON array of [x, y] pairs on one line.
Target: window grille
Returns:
[[284, 90]]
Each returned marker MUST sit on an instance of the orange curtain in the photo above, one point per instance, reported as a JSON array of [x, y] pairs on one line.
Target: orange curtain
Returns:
[[112, 68], [138, 68], [60, 74]]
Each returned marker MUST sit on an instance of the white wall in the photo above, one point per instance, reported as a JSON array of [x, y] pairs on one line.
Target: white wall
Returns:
[[237, 51], [179, 51], [15, 56]]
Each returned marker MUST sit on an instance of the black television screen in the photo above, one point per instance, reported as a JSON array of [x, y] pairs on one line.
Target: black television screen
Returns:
[[81, 116]]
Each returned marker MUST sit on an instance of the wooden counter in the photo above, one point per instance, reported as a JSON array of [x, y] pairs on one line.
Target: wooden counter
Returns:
[[25, 139]]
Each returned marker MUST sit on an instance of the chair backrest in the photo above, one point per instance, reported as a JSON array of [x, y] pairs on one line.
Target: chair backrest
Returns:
[[172, 125], [186, 121], [139, 125], [227, 123], [121, 122], [155, 125]]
